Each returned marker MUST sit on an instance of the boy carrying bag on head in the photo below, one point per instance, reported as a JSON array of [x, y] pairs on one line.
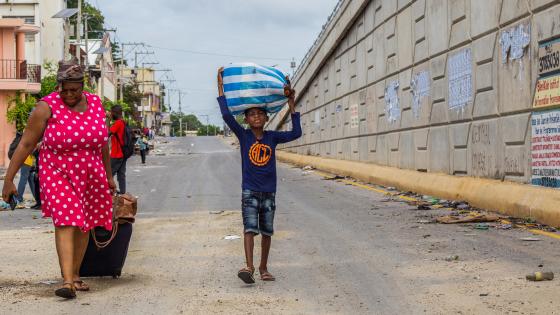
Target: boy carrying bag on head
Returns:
[[258, 160]]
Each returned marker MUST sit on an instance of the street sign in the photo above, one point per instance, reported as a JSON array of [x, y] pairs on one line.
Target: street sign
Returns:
[[549, 57]]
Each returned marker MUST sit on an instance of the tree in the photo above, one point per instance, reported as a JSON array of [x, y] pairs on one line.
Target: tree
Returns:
[[212, 130], [48, 83], [95, 20], [188, 121], [19, 109]]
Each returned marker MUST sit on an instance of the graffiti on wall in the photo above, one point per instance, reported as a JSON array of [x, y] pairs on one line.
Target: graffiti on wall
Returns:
[[545, 148], [392, 108], [420, 88], [460, 79]]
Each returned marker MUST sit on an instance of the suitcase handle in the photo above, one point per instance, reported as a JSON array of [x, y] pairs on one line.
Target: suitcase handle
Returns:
[[101, 245]]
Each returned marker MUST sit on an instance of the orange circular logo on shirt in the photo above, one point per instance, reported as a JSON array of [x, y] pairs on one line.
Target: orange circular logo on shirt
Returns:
[[260, 154]]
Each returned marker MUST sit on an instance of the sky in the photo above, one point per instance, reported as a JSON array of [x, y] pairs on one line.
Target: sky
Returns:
[[266, 32]]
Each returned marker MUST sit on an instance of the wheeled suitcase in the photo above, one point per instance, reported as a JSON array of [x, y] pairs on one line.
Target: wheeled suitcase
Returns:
[[107, 261]]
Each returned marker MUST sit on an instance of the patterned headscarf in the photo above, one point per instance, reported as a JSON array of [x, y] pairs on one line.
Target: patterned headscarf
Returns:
[[70, 71]]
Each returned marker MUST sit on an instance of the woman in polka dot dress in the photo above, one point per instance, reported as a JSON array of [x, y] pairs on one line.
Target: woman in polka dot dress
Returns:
[[75, 172]]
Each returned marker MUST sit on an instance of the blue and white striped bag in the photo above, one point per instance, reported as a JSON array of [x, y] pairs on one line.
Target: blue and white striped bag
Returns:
[[248, 85]]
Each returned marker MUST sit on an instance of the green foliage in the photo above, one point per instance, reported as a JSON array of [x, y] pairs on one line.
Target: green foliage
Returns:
[[19, 110], [212, 130], [188, 121], [95, 21], [48, 83], [128, 114]]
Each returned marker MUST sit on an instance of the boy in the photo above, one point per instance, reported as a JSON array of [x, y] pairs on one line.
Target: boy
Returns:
[[118, 161], [258, 165]]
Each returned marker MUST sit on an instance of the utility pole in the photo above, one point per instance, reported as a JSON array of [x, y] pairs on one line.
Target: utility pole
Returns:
[[78, 32], [121, 70], [86, 36], [207, 119]]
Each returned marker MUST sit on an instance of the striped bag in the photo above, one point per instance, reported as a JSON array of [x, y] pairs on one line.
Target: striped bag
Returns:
[[248, 85]]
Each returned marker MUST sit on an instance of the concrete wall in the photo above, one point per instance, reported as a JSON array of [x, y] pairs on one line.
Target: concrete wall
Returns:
[[482, 130]]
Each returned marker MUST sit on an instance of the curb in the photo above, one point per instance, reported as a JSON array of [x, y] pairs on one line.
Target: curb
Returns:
[[508, 198]]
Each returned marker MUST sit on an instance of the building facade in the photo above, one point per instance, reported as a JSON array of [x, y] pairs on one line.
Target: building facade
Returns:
[[16, 75]]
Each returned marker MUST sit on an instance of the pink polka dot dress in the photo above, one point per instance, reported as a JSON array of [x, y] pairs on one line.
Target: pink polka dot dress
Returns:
[[74, 187]]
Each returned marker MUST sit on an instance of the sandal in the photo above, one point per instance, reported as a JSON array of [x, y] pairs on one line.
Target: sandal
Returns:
[[246, 275], [65, 292], [267, 276], [81, 286]]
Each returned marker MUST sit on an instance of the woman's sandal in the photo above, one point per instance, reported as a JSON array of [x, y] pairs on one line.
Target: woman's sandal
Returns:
[[246, 275], [81, 286], [65, 292], [267, 276]]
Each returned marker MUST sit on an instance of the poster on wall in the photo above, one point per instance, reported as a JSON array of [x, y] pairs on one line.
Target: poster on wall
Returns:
[[354, 117], [392, 108], [460, 79], [545, 148], [420, 88], [547, 92]]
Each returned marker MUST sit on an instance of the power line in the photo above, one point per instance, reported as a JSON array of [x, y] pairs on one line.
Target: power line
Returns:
[[216, 54]]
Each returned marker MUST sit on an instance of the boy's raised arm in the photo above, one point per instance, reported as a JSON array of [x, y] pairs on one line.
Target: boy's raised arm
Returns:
[[226, 114], [287, 136]]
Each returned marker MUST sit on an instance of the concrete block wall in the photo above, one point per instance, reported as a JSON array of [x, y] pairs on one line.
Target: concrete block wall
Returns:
[[369, 45]]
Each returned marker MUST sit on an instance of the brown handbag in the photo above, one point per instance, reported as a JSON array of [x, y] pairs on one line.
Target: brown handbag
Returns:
[[125, 207]]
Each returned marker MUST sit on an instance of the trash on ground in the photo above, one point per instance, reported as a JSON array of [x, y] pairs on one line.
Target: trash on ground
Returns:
[[308, 168], [483, 294], [452, 258], [482, 226], [540, 276], [336, 177], [423, 206], [304, 173], [48, 282], [471, 218], [217, 212], [530, 239], [232, 237], [425, 221]]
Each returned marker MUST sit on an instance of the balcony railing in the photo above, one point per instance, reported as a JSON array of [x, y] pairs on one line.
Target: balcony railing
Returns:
[[19, 70], [34, 73]]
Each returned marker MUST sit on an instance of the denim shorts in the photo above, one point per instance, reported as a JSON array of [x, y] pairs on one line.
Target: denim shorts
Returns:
[[258, 210]]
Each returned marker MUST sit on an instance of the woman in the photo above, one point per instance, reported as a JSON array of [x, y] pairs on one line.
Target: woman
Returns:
[[75, 172], [142, 143]]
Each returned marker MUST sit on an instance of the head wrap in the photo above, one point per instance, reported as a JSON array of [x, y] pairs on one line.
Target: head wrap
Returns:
[[70, 71]]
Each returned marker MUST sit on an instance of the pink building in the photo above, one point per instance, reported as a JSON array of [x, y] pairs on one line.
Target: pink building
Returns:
[[15, 75]]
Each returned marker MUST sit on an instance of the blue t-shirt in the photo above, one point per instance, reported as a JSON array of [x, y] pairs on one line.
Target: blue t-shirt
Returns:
[[258, 158]]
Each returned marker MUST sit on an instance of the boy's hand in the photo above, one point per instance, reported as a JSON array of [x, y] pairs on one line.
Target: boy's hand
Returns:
[[291, 95], [220, 82]]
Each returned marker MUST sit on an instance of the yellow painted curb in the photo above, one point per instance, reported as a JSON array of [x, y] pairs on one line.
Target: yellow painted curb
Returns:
[[514, 199]]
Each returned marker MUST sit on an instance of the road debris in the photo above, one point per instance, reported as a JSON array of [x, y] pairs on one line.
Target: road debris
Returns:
[[217, 212], [336, 177], [540, 276], [452, 258], [472, 217], [232, 237], [530, 239], [307, 168]]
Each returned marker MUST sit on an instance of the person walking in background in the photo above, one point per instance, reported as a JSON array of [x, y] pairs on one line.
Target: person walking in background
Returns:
[[142, 143], [258, 160], [118, 160], [75, 170], [24, 179]]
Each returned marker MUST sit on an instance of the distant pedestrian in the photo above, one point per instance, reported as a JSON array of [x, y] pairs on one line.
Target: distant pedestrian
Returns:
[[24, 179], [259, 176], [142, 143], [118, 160], [75, 170]]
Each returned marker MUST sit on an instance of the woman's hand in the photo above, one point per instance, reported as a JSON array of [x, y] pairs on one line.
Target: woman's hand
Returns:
[[8, 190], [112, 185], [220, 81]]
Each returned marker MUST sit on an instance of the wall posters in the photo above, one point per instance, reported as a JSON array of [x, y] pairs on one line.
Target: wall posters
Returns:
[[545, 148]]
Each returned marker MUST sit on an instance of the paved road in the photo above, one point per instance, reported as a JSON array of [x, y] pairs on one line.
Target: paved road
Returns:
[[339, 249]]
